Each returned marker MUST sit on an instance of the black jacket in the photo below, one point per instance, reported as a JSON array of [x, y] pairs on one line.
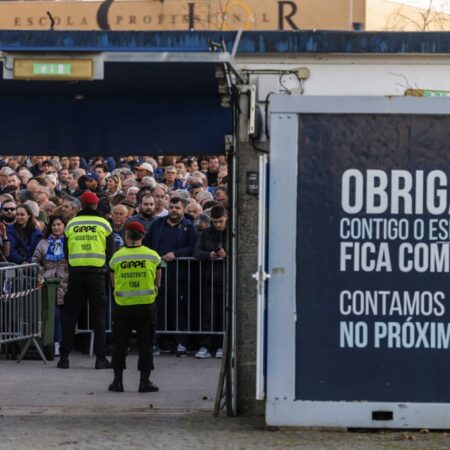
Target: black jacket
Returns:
[[209, 241], [183, 244]]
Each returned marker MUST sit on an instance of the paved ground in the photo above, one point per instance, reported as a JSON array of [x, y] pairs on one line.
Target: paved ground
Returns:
[[46, 408], [185, 383], [185, 430]]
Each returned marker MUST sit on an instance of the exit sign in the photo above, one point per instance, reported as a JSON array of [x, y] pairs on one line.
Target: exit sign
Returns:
[[52, 69]]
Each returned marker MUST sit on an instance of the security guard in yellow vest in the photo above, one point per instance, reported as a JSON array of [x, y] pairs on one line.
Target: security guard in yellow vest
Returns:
[[88, 246], [136, 278]]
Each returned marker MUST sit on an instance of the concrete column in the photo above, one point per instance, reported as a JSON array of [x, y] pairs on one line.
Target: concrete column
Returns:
[[247, 249]]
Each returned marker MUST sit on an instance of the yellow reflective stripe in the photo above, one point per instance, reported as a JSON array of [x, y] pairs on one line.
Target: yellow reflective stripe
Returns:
[[131, 257], [134, 293], [87, 255], [88, 222]]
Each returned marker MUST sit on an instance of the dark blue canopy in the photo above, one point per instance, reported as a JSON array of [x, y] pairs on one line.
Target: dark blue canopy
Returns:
[[138, 108], [157, 107]]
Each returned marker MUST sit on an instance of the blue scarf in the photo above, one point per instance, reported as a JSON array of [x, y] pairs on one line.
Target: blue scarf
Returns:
[[55, 251]]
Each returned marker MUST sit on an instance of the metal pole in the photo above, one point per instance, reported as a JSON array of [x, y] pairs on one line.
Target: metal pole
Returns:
[[176, 296], [189, 296], [212, 296]]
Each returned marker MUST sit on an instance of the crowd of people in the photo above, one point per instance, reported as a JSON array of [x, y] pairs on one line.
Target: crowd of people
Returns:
[[180, 202]]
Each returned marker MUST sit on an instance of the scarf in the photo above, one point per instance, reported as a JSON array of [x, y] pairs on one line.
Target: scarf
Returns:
[[55, 251]]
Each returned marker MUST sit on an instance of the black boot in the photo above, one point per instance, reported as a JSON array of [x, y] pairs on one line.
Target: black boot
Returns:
[[63, 362], [145, 385], [117, 384], [102, 363]]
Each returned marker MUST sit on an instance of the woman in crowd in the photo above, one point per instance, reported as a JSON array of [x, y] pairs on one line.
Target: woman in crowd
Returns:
[[49, 254], [24, 236], [114, 189]]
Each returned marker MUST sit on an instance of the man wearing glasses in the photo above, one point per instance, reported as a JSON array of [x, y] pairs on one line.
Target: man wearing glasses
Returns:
[[8, 212], [170, 179]]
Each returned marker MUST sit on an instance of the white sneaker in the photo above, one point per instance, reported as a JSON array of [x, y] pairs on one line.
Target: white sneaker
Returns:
[[57, 345], [181, 350], [203, 353], [219, 353], [156, 351]]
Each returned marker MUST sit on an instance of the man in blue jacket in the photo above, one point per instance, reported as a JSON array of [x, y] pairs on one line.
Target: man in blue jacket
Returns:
[[172, 237]]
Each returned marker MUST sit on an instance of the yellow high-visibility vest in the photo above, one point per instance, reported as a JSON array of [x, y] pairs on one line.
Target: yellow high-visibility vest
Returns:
[[135, 275], [86, 241]]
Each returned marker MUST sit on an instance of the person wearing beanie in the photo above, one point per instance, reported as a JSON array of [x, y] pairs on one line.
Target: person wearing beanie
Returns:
[[88, 246], [136, 278]]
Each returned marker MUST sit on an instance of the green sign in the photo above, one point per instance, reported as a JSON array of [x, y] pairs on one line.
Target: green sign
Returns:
[[428, 93], [56, 69]]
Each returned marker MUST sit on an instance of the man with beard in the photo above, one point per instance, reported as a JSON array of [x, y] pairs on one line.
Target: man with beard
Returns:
[[213, 170], [143, 170], [36, 167], [8, 212], [92, 182], [8, 218], [146, 210], [172, 237], [14, 183], [74, 162]]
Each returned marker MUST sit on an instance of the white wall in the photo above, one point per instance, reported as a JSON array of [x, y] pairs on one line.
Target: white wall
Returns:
[[355, 75]]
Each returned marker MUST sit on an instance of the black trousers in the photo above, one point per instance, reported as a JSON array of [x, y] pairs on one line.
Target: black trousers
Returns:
[[125, 320], [84, 285], [172, 313], [212, 308]]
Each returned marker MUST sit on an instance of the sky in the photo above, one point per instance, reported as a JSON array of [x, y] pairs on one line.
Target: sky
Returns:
[[438, 5]]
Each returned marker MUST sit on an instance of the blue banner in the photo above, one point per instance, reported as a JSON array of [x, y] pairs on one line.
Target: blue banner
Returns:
[[373, 259]]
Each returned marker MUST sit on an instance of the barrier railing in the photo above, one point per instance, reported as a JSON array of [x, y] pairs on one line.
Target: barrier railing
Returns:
[[191, 300], [20, 306], [192, 297]]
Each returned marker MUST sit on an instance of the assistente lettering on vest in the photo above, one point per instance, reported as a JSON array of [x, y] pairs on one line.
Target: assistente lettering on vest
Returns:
[[136, 277]]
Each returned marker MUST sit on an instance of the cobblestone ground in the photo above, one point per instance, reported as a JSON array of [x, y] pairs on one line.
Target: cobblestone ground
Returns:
[[187, 430], [42, 407]]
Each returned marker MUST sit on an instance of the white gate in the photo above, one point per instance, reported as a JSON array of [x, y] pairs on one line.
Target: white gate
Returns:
[[341, 160]]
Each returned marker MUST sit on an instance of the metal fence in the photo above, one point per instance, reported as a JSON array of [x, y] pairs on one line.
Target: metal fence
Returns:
[[192, 297], [191, 300], [20, 306]]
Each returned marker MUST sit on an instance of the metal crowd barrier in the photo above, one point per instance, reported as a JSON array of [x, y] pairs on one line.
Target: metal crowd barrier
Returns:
[[191, 300], [201, 286], [20, 306]]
